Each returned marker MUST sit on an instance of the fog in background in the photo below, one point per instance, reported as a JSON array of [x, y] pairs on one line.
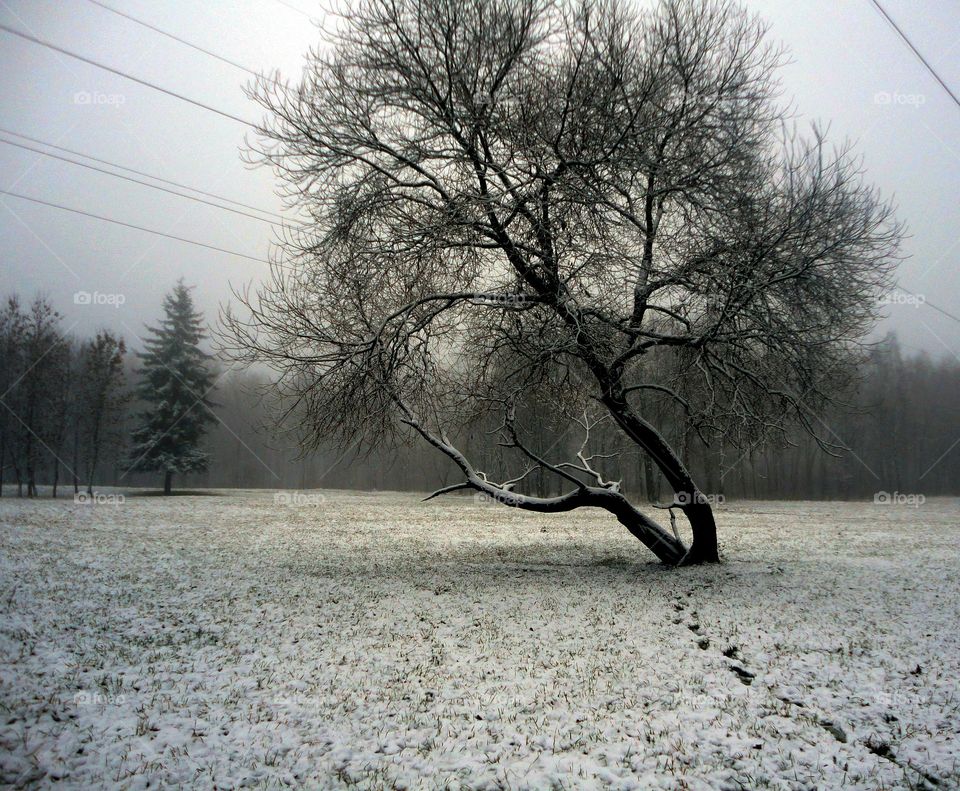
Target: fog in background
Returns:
[[847, 67]]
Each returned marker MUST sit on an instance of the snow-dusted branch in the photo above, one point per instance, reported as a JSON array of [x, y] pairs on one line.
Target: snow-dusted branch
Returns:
[[668, 548]]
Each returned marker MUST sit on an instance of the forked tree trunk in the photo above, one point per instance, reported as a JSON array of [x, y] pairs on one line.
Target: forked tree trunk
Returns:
[[689, 499]]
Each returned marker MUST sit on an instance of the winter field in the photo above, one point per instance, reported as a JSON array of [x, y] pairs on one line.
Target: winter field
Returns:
[[348, 640]]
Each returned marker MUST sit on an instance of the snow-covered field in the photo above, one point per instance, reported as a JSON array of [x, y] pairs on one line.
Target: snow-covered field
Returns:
[[369, 640]]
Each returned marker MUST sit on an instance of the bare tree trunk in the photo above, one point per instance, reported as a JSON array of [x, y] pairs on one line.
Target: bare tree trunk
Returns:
[[91, 470], [688, 497], [167, 482], [666, 547], [76, 457], [31, 474]]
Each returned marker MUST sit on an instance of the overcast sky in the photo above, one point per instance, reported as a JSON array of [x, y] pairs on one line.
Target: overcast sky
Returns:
[[848, 67]]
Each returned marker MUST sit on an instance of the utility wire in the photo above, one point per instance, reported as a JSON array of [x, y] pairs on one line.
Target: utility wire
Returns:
[[156, 29], [138, 181], [135, 227], [292, 7], [950, 93], [154, 86], [926, 302], [147, 175], [916, 52]]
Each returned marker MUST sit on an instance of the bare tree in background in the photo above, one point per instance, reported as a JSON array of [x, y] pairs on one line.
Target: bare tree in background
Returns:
[[103, 397], [519, 202], [13, 330], [38, 354], [62, 393]]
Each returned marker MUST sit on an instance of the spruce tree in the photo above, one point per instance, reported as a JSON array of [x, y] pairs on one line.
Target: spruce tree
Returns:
[[174, 383]]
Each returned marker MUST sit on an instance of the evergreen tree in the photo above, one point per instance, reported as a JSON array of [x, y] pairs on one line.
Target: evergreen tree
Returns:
[[174, 382]]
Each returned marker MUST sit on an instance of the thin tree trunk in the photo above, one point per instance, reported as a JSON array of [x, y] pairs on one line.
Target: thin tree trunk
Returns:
[[76, 458], [31, 480], [651, 484], [668, 549], [167, 482], [92, 470]]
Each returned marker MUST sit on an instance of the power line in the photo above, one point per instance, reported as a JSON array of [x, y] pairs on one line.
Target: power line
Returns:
[[135, 227], [926, 302], [292, 7], [154, 86], [916, 52], [156, 29], [941, 310], [138, 181], [146, 175]]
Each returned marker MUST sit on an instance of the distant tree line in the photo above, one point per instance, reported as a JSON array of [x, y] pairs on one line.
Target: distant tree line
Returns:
[[900, 427], [63, 399], [78, 413], [74, 411], [898, 430]]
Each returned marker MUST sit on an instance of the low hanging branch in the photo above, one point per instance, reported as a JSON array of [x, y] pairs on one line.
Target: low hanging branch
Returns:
[[604, 495]]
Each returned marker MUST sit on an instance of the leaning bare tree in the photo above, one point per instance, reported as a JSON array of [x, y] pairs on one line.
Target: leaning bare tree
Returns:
[[566, 205]]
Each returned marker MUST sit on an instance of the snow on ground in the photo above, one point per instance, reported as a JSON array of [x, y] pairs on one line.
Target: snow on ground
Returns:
[[340, 640]]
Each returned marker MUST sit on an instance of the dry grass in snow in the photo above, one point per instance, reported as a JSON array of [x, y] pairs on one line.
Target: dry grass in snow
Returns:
[[350, 640]]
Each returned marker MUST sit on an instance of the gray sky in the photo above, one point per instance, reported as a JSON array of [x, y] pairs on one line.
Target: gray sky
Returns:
[[848, 67]]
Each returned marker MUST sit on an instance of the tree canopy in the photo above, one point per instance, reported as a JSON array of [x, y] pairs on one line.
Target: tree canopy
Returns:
[[573, 203]]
